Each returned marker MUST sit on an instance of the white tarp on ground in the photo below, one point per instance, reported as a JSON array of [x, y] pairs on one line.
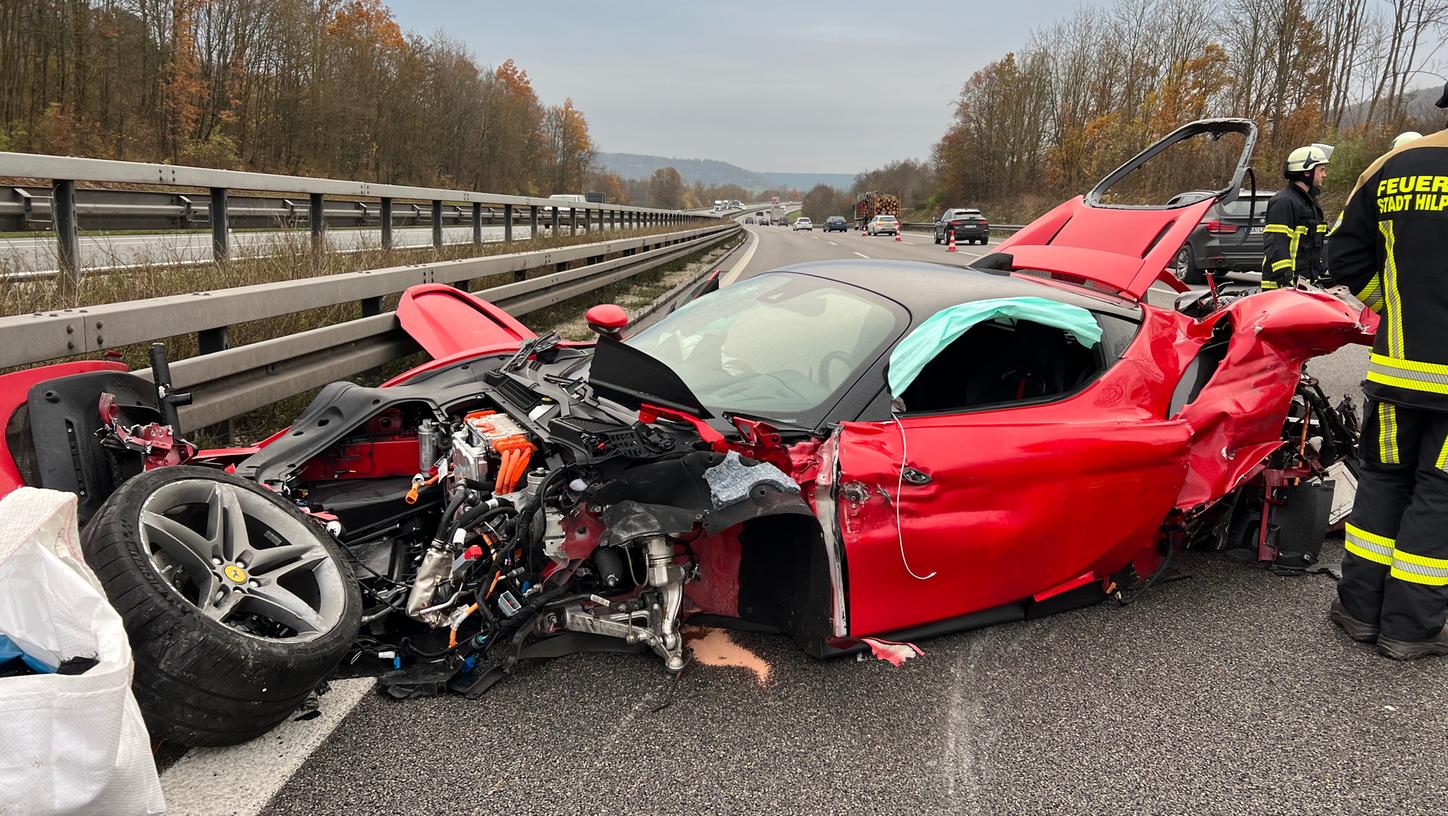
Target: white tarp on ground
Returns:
[[68, 743]]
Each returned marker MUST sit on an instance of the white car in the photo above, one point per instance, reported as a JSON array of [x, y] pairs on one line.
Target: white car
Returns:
[[803, 224], [881, 224]]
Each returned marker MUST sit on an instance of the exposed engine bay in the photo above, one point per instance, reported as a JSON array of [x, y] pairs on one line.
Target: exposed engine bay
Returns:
[[501, 499]]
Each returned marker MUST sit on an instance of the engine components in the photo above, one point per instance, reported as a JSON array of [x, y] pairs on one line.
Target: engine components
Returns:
[[491, 444], [653, 619]]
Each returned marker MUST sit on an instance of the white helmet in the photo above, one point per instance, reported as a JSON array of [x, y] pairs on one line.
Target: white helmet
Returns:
[[1303, 159], [1405, 137]]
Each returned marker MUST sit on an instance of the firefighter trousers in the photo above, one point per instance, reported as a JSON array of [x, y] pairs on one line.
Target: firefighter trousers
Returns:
[[1395, 572]]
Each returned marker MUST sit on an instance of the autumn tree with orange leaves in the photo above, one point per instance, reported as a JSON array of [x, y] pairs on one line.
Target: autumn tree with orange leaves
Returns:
[[323, 87]]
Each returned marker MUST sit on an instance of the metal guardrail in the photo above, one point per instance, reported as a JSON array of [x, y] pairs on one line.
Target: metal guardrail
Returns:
[[226, 382], [67, 204]]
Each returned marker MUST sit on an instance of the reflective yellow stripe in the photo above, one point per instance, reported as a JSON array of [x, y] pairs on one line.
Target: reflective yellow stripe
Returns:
[[1371, 546], [1442, 463], [1285, 263], [1322, 227], [1267, 284], [1390, 292], [1409, 374], [1411, 385], [1281, 229], [1410, 365], [1419, 569], [1372, 294], [1387, 433]]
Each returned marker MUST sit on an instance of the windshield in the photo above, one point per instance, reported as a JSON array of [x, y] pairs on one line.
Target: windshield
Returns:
[[781, 346]]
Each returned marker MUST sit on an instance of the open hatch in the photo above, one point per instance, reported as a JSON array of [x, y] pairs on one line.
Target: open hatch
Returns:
[[1123, 234]]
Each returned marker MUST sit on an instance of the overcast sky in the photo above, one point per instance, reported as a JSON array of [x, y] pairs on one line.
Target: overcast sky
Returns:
[[837, 87]]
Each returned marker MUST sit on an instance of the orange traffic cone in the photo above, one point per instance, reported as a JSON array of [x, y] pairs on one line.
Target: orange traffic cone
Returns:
[[951, 248], [897, 232]]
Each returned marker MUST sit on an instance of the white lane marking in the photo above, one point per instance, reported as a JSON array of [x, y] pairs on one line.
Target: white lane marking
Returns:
[[863, 255], [743, 262], [832, 243], [241, 780]]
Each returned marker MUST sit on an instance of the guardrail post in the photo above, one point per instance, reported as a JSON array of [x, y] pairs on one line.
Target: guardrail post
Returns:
[[210, 341], [386, 223], [533, 219], [600, 220], [553, 222], [371, 307], [67, 236], [477, 222], [318, 218], [507, 223], [437, 225], [572, 221], [220, 226]]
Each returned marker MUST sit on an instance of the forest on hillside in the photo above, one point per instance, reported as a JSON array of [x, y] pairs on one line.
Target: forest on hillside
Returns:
[[311, 87], [1085, 93]]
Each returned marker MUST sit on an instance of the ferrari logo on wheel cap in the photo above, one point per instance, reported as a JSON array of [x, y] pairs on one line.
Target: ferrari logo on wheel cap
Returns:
[[234, 573]]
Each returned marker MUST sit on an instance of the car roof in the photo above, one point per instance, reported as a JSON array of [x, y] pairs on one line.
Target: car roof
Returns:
[[926, 288]]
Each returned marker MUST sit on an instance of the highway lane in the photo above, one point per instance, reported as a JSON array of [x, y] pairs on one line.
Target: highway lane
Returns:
[[1225, 693], [111, 251], [38, 253]]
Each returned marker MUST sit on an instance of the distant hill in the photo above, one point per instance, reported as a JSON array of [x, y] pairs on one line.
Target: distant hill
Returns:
[[804, 181], [1418, 105], [711, 171]]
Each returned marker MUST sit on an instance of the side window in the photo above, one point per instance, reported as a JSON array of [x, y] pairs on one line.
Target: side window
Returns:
[[1002, 362]]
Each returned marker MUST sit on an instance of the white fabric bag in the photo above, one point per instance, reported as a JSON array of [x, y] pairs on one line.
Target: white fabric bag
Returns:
[[68, 743]]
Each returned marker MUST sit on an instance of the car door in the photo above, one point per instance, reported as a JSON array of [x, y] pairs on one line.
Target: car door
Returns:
[[995, 506]]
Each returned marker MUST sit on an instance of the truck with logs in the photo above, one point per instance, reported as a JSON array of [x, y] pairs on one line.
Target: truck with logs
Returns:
[[869, 205]]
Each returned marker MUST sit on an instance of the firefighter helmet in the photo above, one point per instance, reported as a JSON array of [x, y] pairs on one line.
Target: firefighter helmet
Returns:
[[1303, 159], [1405, 137]]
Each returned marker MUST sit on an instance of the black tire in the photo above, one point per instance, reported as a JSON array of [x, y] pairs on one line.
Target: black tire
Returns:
[[198, 681], [1188, 271]]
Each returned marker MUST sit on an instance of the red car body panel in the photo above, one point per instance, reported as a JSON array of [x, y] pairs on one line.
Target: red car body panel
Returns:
[[446, 321], [1125, 250], [1023, 501], [14, 388]]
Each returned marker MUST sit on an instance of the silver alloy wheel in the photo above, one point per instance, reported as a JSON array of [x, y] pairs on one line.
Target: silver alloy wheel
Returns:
[[237, 558], [1179, 266]]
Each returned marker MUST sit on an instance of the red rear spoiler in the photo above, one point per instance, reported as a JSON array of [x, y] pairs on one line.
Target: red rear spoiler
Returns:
[[446, 321]]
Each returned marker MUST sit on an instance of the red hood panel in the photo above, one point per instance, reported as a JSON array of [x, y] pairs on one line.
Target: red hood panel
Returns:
[[446, 321], [1124, 250]]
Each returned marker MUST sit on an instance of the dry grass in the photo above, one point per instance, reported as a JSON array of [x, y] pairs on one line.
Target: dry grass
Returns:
[[288, 257]]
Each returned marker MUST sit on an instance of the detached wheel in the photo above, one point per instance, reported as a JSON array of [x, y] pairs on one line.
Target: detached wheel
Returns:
[[236, 605]]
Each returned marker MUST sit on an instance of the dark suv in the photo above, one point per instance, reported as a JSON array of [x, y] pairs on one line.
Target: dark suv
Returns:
[[1229, 239], [969, 226], [836, 223]]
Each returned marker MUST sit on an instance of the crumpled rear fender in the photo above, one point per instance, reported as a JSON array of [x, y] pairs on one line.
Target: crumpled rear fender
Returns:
[[1237, 418]]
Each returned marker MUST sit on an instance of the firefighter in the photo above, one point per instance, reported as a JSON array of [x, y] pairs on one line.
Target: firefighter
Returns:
[[1295, 232], [1391, 249], [1405, 137]]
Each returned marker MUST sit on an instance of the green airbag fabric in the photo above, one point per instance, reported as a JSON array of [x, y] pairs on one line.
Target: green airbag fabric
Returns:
[[944, 327]]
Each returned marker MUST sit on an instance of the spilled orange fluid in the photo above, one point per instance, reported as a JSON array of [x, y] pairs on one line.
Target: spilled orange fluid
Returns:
[[715, 647]]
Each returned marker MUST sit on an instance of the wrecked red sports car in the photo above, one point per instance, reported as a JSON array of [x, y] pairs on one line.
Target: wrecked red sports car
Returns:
[[832, 451]]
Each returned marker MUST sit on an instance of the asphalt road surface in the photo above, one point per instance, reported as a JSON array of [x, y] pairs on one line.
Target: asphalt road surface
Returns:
[[1224, 693]]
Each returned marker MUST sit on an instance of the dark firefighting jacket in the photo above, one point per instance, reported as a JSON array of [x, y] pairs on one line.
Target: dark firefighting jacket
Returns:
[[1293, 238], [1391, 249]]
